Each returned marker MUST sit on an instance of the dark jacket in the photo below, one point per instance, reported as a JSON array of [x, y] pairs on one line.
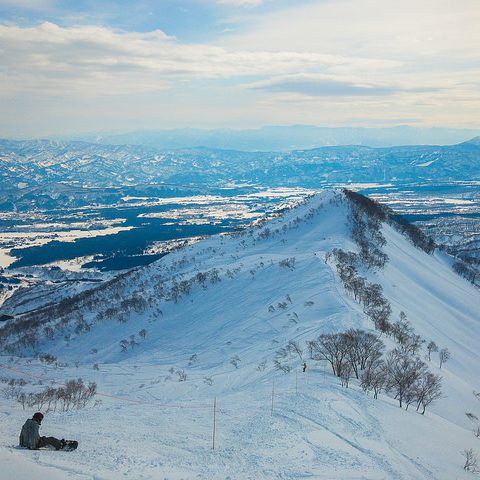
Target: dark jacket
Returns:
[[29, 435]]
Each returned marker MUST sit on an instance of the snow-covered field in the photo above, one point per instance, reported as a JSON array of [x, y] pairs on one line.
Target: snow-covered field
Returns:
[[269, 425]]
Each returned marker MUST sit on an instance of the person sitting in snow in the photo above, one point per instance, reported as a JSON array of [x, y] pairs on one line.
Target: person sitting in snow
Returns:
[[30, 436]]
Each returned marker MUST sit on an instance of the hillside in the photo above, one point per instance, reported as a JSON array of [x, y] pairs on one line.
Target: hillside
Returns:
[[214, 317]]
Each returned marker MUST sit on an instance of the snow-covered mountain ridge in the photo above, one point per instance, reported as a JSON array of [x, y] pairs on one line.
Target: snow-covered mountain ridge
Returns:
[[214, 315], [50, 175]]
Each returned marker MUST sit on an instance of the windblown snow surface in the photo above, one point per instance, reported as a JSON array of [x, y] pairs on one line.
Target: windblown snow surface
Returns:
[[150, 425]]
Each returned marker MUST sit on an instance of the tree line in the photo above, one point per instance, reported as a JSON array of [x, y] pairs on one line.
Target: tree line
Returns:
[[361, 355]]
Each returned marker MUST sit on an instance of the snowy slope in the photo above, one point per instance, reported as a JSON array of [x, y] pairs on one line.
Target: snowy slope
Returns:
[[151, 425]]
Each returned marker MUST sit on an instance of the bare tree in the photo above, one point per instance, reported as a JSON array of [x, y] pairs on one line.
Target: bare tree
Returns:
[[331, 347], [403, 371], [311, 347], [294, 348], [431, 347], [363, 348], [374, 378], [427, 389], [444, 355], [345, 373]]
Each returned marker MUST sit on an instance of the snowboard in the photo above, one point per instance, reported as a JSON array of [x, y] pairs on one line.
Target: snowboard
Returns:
[[69, 445]]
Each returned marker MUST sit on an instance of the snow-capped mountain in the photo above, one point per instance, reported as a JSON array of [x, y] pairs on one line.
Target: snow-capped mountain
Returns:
[[50, 174], [231, 317], [287, 137]]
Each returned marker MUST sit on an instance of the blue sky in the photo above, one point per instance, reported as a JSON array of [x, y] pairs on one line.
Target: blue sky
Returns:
[[77, 66], [187, 20]]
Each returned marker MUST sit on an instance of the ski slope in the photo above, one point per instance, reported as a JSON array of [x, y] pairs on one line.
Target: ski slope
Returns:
[[269, 425]]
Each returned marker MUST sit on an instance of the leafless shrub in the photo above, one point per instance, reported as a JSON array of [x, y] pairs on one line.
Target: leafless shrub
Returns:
[[123, 345], [261, 366], [282, 366], [287, 263], [235, 361], [47, 358], [471, 461], [182, 376], [75, 394]]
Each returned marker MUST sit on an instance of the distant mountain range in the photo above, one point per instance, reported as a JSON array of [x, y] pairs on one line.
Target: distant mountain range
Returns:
[[42, 172], [284, 138]]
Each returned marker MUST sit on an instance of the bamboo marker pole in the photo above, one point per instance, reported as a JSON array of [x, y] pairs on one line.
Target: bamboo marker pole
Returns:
[[214, 422], [273, 396]]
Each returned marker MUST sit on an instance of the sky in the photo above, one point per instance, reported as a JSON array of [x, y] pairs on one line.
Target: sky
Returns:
[[82, 66]]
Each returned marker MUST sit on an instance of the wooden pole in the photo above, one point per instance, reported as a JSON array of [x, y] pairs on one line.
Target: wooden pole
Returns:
[[273, 396], [214, 422]]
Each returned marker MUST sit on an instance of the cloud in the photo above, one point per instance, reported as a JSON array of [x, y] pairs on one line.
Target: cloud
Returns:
[[321, 85], [50, 59], [289, 61]]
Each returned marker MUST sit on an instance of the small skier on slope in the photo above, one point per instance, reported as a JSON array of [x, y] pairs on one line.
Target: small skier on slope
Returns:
[[304, 367], [30, 436]]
